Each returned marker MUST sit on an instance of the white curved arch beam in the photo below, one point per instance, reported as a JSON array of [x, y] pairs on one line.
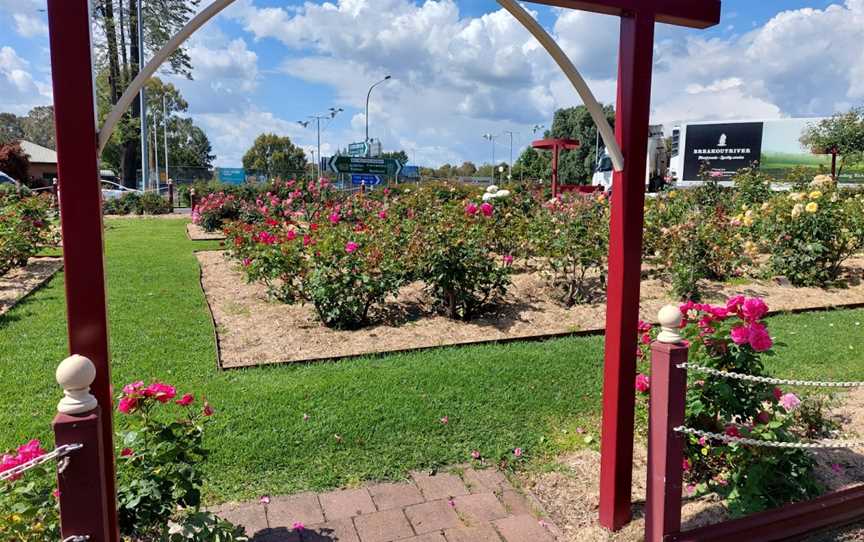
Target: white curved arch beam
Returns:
[[606, 132], [141, 79]]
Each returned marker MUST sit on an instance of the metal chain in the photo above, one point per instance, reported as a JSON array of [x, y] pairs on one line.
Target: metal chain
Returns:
[[58, 453], [767, 379], [825, 444]]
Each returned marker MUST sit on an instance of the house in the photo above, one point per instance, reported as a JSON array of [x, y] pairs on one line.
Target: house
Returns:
[[43, 162]]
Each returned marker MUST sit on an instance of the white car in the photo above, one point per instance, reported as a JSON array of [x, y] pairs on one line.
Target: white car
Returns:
[[112, 190]]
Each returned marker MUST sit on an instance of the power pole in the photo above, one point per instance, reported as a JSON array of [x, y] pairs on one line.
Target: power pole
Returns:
[[142, 97], [165, 133]]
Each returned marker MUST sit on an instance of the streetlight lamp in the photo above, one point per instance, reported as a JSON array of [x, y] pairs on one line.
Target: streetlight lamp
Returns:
[[510, 170], [536, 128], [317, 118], [368, 94], [492, 138]]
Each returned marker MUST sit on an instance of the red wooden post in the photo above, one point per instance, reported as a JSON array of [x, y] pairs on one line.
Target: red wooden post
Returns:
[[81, 211], [84, 509], [834, 164], [55, 194], [665, 446], [625, 269]]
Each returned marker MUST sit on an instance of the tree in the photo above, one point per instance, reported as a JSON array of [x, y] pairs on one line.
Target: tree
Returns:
[[275, 156], [15, 162], [533, 164], [188, 145], [38, 126], [401, 156], [10, 128], [467, 169], [577, 166], [842, 134], [118, 19]]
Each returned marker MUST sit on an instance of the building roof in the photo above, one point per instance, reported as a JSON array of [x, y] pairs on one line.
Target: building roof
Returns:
[[38, 153]]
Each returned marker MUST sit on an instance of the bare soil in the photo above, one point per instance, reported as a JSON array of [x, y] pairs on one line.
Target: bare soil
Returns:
[[196, 233], [19, 282], [570, 492], [253, 330]]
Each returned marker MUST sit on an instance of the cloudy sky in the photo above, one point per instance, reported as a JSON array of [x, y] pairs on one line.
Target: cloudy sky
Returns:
[[462, 68]]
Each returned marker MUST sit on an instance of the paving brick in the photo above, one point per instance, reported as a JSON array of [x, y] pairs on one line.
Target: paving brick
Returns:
[[479, 508], [524, 528], [395, 495], [279, 534], [428, 537], [515, 503], [346, 503], [303, 507], [432, 516], [340, 529], [485, 480], [483, 533], [439, 486], [250, 516], [383, 526]]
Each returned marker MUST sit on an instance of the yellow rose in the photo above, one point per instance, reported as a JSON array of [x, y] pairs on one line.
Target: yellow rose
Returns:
[[748, 221], [812, 207], [765, 206], [815, 194], [673, 193]]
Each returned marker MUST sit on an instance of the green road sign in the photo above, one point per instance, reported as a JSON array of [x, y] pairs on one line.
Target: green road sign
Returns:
[[358, 149], [366, 166]]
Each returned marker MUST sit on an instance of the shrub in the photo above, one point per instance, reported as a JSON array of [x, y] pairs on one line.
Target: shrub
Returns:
[[810, 234], [159, 460], [734, 338], [214, 210], [451, 254], [752, 187], [152, 203], [25, 227], [572, 236]]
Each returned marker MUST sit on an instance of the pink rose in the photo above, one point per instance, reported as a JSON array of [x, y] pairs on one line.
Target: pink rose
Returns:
[[382, 215], [778, 393], [685, 465], [790, 402], [247, 262], [754, 309], [335, 218], [487, 209], [471, 209], [643, 383], [734, 303], [763, 417], [740, 335], [132, 388], [475, 454], [517, 452], [265, 499], [126, 452], [732, 431], [127, 405], [207, 410], [186, 400], [291, 235], [298, 526], [508, 259], [759, 338], [160, 391], [351, 247]]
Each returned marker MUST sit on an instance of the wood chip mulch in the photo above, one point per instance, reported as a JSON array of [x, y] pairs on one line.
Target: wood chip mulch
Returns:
[[21, 281], [253, 330], [196, 233]]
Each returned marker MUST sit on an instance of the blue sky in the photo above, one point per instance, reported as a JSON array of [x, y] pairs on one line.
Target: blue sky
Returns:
[[464, 68]]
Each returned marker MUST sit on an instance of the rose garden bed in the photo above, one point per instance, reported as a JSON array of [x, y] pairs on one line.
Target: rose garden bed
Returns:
[[252, 330], [20, 282]]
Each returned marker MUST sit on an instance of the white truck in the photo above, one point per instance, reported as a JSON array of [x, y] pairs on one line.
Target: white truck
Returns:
[[656, 166]]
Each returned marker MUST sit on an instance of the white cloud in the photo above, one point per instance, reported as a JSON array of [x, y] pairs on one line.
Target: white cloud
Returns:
[[30, 26], [19, 91], [232, 134]]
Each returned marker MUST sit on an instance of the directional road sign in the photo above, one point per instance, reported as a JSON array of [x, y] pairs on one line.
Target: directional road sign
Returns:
[[358, 149], [368, 166], [368, 180]]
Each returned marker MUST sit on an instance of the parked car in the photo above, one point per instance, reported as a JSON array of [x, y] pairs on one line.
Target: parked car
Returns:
[[112, 190], [6, 179]]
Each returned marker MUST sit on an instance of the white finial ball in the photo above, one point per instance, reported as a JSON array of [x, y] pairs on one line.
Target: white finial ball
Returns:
[[670, 319], [76, 373]]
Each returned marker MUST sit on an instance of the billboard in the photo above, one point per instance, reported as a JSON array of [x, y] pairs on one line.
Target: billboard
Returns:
[[775, 145], [231, 175]]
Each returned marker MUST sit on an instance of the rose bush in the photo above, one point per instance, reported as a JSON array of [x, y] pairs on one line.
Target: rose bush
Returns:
[[213, 210], [159, 459], [25, 227], [572, 236], [734, 338], [809, 234]]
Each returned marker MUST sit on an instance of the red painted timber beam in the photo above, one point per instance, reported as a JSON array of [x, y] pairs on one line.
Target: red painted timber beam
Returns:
[[81, 210], [625, 269], [692, 13]]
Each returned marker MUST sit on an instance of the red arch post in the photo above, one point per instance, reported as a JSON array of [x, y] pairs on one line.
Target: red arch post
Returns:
[[81, 212]]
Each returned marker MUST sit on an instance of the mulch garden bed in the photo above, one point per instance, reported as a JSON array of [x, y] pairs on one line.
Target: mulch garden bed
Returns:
[[196, 233], [21, 281], [570, 492], [252, 330]]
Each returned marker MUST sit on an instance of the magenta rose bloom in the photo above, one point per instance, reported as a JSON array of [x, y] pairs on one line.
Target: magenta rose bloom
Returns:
[[754, 309]]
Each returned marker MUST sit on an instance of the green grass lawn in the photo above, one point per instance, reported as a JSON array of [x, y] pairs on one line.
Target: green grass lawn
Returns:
[[386, 411]]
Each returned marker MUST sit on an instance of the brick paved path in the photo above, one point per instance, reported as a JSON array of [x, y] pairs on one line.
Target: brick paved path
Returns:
[[463, 505]]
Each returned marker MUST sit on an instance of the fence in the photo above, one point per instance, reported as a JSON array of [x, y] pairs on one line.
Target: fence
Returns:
[[666, 434]]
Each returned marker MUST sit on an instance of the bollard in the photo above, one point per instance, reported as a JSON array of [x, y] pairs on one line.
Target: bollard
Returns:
[[192, 200], [83, 489], [666, 412], [170, 196]]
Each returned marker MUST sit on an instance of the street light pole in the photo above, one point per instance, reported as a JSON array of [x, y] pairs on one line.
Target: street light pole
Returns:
[[491, 138], [510, 171], [368, 94], [142, 97], [165, 134], [333, 112]]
